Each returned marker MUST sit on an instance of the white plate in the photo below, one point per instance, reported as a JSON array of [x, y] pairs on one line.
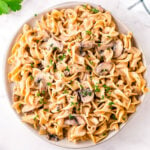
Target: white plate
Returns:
[[8, 87]]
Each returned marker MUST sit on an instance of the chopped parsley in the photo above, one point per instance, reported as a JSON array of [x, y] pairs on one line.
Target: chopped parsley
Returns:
[[37, 41], [49, 84], [96, 88], [35, 15], [107, 88], [20, 105], [72, 96], [86, 92], [54, 67], [41, 101], [91, 62], [88, 68], [88, 32], [43, 92], [113, 117], [109, 36], [102, 97], [46, 110], [38, 94], [61, 57], [84, 6], [51, 61], [94, 10], [71, 117], [55, 48], [31, 77], [69, 50], [67, 69], [32, 65], [74, 103], [47, 66], [99, 44], [65, 91], [81, 86], [110, 103], [35, 117]]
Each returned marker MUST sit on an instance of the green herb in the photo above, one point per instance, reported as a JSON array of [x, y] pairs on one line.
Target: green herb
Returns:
[[84, 6], [43, 92], [58, 109], [35, 117], [110, 103], [107, 88], [96, 88], [74, 103], [81, 86], [67, 69], [102, 97], [41, 101], [94, 10], [45, 110], [51, 61], [88, 68], [102, 58], [37, 41], [31, 77], [99, 44], [124, 118], [109, 93], [55, 48], [35, 15], [65, 91], [108, 36], [62, 57], [91, 62], [32, 65], [113, 117], [78, 109], [88, 32], [38, 94], [20, 105], [70, 82], [86, 92], [104, 134], [71, 117], [47, 66], [69, 50], [9, 5], [49, 84]]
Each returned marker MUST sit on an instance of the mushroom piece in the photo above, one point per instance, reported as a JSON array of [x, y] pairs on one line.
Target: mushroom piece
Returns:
[[28, 108], [52, 137], [86, 95], [51, 42], [41, 80], [74, 120], [117, 48], [86, 45], [103, 68]]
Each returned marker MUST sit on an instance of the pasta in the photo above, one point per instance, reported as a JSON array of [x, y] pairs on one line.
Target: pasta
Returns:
[[75, 75]]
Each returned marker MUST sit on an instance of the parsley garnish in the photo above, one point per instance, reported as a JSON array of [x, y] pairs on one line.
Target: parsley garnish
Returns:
[[71, 117], [99, 44], [96, 88], [62, 57], [113, 117], [31, 77], [55, 48], [88, 32], [35, 15], [9, 5], [51, 61], [65, 91], [46, 110], [88, 68], [94, 10], [20, 105], [32, 65], [49, 84], [69, 50], [43, 92], [110, 103], [84, 6], [38, 94], [35, 117], [102, 97], [67, 69]]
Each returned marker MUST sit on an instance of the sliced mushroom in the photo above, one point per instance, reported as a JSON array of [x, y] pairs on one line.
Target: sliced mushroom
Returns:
[[86, 45], [118, 48], [76, 120], [41, 80], [105, 46], [86, 95], [103, 68], [53, 137], [28, 108], [51, 42]]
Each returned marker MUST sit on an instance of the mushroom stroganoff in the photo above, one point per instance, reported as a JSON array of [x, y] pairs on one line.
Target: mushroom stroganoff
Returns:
[[75, 75]]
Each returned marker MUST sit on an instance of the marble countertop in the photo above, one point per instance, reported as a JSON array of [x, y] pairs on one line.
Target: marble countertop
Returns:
[[136, 135]]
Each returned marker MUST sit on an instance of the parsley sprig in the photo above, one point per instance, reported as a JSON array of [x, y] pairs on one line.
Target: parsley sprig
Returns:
[[9, 5]]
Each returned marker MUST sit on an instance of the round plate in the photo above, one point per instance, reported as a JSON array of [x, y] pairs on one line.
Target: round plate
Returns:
[[8, 87]]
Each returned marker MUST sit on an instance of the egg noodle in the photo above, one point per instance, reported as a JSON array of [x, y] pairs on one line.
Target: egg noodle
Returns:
[[75, 75]]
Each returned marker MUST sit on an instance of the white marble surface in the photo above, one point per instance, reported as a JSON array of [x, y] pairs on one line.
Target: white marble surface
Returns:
[[13, 134]]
